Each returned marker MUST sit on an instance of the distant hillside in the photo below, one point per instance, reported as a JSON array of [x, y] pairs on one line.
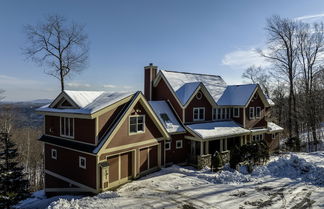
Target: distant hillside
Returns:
[[25, 115]]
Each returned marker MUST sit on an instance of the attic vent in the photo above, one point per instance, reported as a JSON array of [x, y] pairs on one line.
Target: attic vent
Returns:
[[199, 95], [66, 104]]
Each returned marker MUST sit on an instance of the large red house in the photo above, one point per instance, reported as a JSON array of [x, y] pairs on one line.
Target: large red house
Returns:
[[95, 141]]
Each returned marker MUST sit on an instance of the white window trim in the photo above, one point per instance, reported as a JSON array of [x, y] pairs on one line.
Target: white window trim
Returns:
[[258, 108], [199, 97], [52, 154], [251, 110], [193, 113], [61, 134], [137, 132], [169, 146], [214, 113], [238, 112], [179, 147], [85, 162]]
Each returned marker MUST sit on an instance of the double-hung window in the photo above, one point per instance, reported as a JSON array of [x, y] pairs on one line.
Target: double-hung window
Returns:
[[179, 144], [54, 154], [236, 112], [167, 145], [136, 124], [82, 162], [258, 112], [198, 113], [251, 113], [67, 127]]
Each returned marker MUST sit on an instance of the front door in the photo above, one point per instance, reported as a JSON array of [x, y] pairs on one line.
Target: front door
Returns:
[[105, 176]]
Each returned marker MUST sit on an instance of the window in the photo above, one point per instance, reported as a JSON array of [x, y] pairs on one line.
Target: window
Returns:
[[67, 127], [228, 113], [136, 124], [251, 113], [198, 113], [54, 154], [199, 95], [179, 144], [215, 113], [236, 112], [223, 113], [82, 162], [257, 138], [167, 145], [219, 113], [273, 136], [258, 112]]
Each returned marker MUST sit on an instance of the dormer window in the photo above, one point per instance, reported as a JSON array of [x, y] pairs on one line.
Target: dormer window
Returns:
[[67, 127], [198, 113]]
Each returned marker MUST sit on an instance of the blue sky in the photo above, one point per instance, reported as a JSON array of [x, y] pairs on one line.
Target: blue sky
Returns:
[[215, 37]]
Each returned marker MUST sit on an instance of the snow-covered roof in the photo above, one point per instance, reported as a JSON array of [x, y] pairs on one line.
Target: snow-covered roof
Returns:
[[89, 102], [172, 125], [83, 98], [274, 127], [213, 83], [184, 92], [217, 129], [237, 95], [271, 103]]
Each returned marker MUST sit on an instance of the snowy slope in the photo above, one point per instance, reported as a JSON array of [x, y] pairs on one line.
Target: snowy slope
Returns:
[[288, 181]]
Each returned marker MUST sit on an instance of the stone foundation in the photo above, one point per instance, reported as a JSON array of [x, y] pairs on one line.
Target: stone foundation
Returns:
[[203, 161]]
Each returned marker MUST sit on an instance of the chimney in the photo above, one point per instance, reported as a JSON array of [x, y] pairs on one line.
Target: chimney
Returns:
[[149, 76]]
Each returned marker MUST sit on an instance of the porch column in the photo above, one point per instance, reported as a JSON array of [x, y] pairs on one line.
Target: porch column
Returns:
[[201, 147], [225, 144], [207, 147], [241, 140], [221, 145]]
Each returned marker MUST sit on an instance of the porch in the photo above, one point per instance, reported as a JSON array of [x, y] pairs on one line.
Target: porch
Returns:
[[207, 138]]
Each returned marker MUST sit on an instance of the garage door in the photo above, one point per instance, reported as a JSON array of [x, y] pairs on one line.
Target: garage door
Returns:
[[120, 168], [148, 158]]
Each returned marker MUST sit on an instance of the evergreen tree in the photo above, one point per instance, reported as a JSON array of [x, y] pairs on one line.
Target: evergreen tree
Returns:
[[13, 185]]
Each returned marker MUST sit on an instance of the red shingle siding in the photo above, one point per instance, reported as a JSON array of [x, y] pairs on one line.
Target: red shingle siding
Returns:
[[162, 92], [257, 122], [122, 136], [84, 129], [67, 165], [203, 102]]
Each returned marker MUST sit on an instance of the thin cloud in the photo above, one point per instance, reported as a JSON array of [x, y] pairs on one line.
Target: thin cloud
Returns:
[[127, 87], [242, 59], [310, 17], [78, 85], [9, 80], [109, 86]]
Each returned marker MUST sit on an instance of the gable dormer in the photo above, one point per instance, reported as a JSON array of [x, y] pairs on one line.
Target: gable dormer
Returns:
[[63, 101]]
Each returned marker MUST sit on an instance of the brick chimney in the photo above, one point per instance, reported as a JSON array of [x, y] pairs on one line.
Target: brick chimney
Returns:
[[149, 76]]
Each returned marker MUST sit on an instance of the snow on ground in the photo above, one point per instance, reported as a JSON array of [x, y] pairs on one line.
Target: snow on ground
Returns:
[[287, 181]]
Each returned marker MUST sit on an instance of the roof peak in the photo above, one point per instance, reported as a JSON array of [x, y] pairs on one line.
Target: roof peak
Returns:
[[191, 73]]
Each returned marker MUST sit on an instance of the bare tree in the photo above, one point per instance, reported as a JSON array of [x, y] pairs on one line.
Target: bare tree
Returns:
[[310, 41], [1, 96], [260, 76], [61, 47], [282, 53]]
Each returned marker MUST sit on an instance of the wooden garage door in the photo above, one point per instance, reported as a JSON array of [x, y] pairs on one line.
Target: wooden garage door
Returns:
[[126, 165], [113, 163], [148, 158], [120, 167]]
